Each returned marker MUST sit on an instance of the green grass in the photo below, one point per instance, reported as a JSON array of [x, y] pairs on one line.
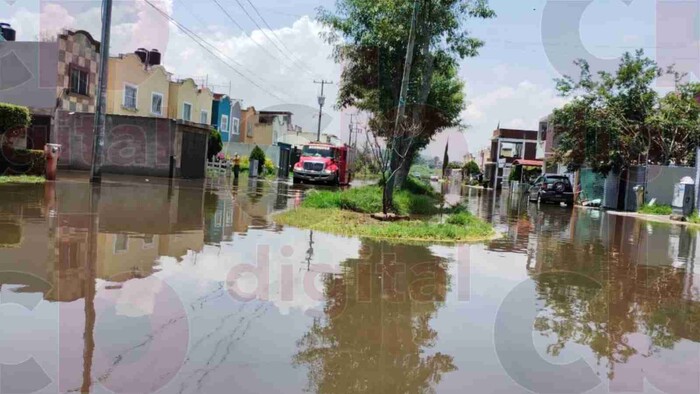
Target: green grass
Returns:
[[27, 179], [462, 227], [694, 218], [655, 209], [368, 199]]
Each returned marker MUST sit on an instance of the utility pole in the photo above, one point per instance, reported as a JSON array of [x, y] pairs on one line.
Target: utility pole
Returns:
[[407, 67], [101, 105], [321, 101], [350, 130]]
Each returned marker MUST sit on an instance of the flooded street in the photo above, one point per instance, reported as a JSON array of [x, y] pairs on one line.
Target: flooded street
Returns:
[[138, 287]]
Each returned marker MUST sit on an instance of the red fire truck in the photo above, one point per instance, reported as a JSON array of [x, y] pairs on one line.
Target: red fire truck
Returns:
[[324, 163]]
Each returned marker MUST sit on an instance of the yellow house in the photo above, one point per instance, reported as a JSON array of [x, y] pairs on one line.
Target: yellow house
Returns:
[[137, 90], [188, 102]]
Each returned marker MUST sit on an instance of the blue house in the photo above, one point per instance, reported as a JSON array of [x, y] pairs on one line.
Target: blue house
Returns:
[[221, 115]]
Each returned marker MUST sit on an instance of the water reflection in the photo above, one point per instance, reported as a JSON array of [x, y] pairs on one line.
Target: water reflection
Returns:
[[375, 333], [139, 283]]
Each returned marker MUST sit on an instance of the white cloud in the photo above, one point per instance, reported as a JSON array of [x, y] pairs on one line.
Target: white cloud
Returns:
[[520, 106]]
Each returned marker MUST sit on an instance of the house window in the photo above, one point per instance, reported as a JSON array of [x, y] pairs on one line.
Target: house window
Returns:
[[249, 130], [203, 116], [224, 123], [130, 93], [156, 103], [79, 80], [187, 111], [121, 243], [235, 126]]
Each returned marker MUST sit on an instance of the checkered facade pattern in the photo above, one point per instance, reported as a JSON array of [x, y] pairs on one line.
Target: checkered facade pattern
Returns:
[[77, 51]]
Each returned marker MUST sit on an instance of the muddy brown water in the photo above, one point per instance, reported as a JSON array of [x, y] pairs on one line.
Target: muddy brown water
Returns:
[[140, 287]]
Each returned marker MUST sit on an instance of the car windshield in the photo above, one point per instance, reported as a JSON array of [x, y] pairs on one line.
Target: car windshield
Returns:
[[317, 151]]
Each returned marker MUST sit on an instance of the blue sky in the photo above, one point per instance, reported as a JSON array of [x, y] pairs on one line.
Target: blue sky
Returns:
[[510, 82]]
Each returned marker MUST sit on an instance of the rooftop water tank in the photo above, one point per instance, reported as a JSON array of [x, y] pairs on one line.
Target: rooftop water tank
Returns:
[[8, 33], [142, 53], [154, 57]]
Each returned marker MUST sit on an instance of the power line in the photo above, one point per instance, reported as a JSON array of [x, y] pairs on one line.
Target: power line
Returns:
[[292, 57], [199, 41], [251, 38]]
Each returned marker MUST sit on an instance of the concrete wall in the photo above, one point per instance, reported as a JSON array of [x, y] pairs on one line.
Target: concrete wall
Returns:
[[661, 180], [133, 145], [271, 151]]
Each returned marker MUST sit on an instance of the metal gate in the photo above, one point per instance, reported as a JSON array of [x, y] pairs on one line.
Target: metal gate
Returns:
[[194, 155]]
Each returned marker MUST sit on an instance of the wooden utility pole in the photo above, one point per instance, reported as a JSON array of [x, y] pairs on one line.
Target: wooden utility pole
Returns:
[[321, 101], [101, 105]]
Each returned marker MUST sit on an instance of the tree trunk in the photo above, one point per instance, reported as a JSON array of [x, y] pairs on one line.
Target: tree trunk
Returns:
[[405, 168]]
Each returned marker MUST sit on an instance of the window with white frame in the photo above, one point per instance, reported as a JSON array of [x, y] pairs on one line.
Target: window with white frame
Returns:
[[187, 111], [235, 126], [203, 117], [130, 94], [224, 123], [156, 103]]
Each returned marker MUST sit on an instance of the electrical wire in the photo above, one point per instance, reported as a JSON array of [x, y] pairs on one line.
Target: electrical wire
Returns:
[[200, 41]]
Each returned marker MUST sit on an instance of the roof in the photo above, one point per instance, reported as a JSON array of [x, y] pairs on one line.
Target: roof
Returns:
[[531, 163]]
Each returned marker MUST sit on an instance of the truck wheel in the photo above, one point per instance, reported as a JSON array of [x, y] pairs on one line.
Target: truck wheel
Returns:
[[295, 180], [336, 181]]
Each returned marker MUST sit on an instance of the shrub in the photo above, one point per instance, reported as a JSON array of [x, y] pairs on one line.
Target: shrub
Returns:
[[368, 199], [416, 186], [14, 117], [259, 155], [22, 161], [655, 209], [215, 144]]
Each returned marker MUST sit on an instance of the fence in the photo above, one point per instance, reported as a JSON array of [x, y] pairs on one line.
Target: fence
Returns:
[[272, 152]]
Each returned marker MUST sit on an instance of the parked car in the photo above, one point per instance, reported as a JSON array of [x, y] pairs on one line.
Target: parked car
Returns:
[[434, 178], [551, 188]]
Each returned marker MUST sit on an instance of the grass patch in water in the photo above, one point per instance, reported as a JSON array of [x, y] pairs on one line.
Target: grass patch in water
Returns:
[[368, 199], [462, 227], [655, 209], [26, 179]]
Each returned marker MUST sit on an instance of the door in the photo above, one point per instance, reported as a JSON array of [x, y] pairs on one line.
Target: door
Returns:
[[194, 151]]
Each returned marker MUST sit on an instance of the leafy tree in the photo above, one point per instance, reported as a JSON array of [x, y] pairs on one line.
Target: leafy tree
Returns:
[[14, 117], [371, 40], [676, 124], [215, 144], [471, 168], [607, 125], [259, 155]]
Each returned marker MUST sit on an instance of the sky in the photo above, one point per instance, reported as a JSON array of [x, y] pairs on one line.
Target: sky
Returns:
[[269, 52]]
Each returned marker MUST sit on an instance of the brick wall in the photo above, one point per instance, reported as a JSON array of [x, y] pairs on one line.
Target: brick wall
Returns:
[[133, 145]]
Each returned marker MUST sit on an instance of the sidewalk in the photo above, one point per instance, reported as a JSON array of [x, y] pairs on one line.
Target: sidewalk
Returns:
[[652, 218]]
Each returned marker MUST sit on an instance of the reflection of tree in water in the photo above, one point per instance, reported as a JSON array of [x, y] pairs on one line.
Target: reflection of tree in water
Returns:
[[598, 295], [375, 331]]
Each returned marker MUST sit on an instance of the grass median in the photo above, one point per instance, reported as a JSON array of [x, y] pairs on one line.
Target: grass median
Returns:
[[348, 213], [25, 179]]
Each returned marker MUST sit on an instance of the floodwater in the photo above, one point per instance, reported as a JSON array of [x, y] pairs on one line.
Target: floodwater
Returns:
[[138, 287]]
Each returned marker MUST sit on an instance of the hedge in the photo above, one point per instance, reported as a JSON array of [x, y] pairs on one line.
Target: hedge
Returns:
[[14, 117], [22, 162]]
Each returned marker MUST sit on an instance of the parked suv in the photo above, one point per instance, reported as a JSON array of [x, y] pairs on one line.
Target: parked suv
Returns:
[[551, 188]]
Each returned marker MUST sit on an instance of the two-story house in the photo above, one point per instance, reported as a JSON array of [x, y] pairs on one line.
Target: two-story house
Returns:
[[264, 127], [49, 78], [190, 103], [226, 117], [136, 87]]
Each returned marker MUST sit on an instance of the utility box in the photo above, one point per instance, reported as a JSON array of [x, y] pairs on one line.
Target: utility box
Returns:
[[683, 197], [253, 168]]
